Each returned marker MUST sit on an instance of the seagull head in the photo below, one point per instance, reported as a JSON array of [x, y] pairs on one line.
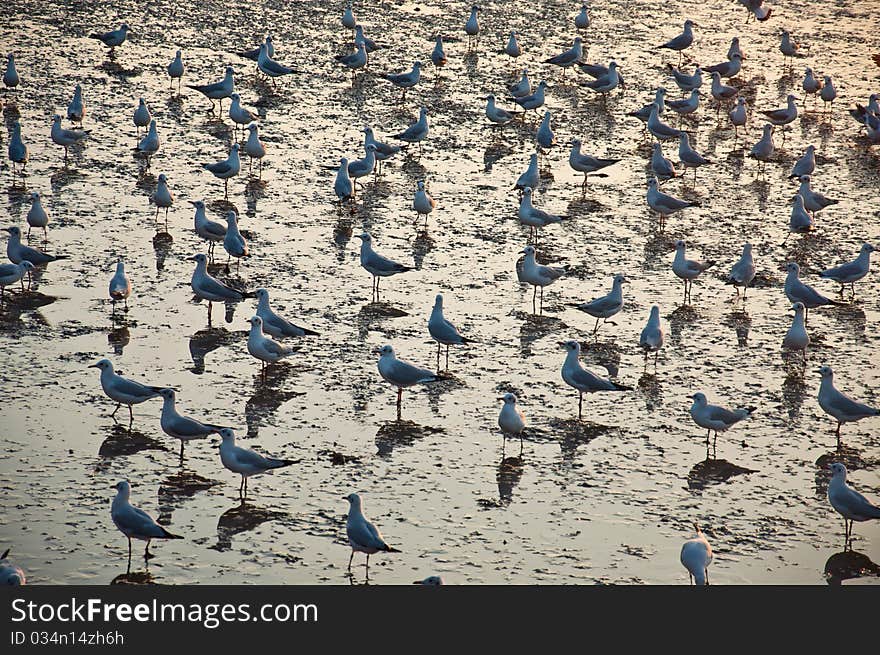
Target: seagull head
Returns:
[[123, 487], [792, 267], [124, 27], [231, 217], [354, 499], [252, 128], [365, 237], [262, 294], [655, 311], [620, 279], [229, 70], [104, 364], [575, 142], [386, 351], [867, 247], [798, 307], [438, 300], [689, 23], [420, 185], [227, 435], [652, 183], [56, 118], [235, 146], [256, 321], [14, 231], [837, 468], [162, 177], [571, 345], [235, 96], [35, 196], [747, 248], [679, 245], [699, 398], [528, 250], [826, 372], [805, 179], [26, 265], [509, 398], [371, 147], [527, 192], [167, 394]]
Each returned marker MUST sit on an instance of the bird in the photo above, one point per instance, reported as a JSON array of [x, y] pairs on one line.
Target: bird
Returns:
[[811, 84], [797, 291], [513, 48], [430, 581], [661, 167], [275, 325], [644, 112], [226, 169], [149, 145], [443, 331], [359, 37], [838, 405], [438, 54], [848, 502], [685, 82], [813, 200], [233, 243], [608, 305], [800, 221], [405, 80], [788, 47], [660, 130], [359, 168], [722, 91], [651, 338], [568, 58], [239, 115], [523, 87], [696, 556], [686, 106], [806, 163], [383, 150], [582, 20], [76, 110], [417, 131], [182, 427], [689, 157], [377, 265], [785, 115], [423, 203], [738, 115], [472, 28], [363, 536], [343, 186], [264, 348], [401, 374], [687, 269], [532, 216], [142, 115], [511, 419], [244, 461], [134, 522], [162, 198], [743, 271], [348, 18], [764, 148], [37, 216], [607, 82], [175, 70], [11, 78], [496, 114], [210, 231], [10, 573], [254, 148], [113, 38], [532, 101], [797, 338], [17, 150], [12, 273], [727, 69], [544, 136], [122, 390], [120, 286], [65, 137], [254, 53], [683, 40], [580, 378], [853, 271], [17, 252], [207, 287], [828, 93], [354, 61], [218, 90], [663, 203], [531, 178], [270, 67], [715, 418], [584, 163], [537, 274]]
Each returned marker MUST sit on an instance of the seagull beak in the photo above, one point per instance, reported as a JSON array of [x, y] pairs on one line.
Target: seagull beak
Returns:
[[192, 202], [92, 366], [192, 258], [561, 344]]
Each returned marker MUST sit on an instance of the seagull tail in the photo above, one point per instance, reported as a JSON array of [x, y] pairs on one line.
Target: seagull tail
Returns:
[[168, 535], [57, 257], [281, 463], [5, 553], [310, 333], [248, 294], [620, 387], [709, 264], [694, 203], [391, 549]]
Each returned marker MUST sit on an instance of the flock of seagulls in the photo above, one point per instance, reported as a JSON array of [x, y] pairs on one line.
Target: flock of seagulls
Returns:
[[268, 329]]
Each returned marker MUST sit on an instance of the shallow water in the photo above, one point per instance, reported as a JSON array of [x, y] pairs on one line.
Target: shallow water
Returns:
[[606, 500]]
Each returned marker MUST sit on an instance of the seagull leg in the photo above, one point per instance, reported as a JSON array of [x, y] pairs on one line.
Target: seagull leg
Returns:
[[580, 404], [350, 559], [447, 357], [130, 414], [596, 328], [147, 554], [118, 405], [542, 300], [534, 296], [181, 451]]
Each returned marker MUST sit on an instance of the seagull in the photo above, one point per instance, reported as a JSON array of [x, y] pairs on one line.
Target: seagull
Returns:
[[598, 70], [743, 272], [438, 54], [685, 82], [76, 110], [523, 87], [797, 338], [533, 101], [496, 114], [264, 348], [10, 75], [687, 269], [511, 419], [715, 418], [689, 157], [811, 84], [644, 112], [683, 40], [661, 167], [442, 331], [120, 287], [686, 106], [226, 169], [738, 115], [531, 178], [696, 556], [207, 287], [764, 148], [606, 306], [532, 216], [275, 325], [538, 275], [544, 136], [162, 198], [607, 82], [134, 522], [354, 61], [377, 265], [853, 271], [848, 502], [175, 70], [10, 573], [838, 405], [359, 37], [721, 91], [363, 536], [343, 186], [828, 93], [401, 374], [122, 390], [405, 80], [142, 115], [580, 378], [218, 90], [233, 243], [17, 150], [240, 115], [813, 200], [806, 163], [788, 47], [423, 203], [182, 427], [359, 168], [209, 230], [18, 252], [797, 291], [513, 49], [584, 163], [383, 150], [800, 221], [664, 204], [244, 461], [149, 145], [254, 148], [582, 20], [785, 115], [568, 58], [37, 216], [472, 28], [658, 128], [651, 338], [254, 53], [65, 137], [417, 131], [727, 69], [270, 67], [12, 273], [348, 18], [113, 38]]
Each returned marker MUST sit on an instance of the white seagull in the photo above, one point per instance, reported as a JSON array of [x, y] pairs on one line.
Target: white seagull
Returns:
[[122, 390], [363, 536], [134, 523]]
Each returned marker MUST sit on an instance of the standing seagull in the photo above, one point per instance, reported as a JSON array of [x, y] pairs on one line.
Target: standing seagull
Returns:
[[531, 178], [275, 325], [849, 503], [472, 29], [363, 536], [584, 163], [696, 556], [764, 148], [785, 115], [683, 40], [534, 217], [270, 67], [37, 216], [417, 131], [254, 148], [377, 265], [17, 251], [568, 58], [120, 286], [149, 145], [813, 200], [12, 273], [10, 75], [142, 116], [122, 390], [423, 203], [797, 338], [207, 287], [76, 110], [797, 291], [651, 339], [405, 80], [217, 90], [743, 272], [511, 419], [715, 418], [343, 186], [580, 378], [828, 94], [806, 163], [607, 306], [264, 348], [17, 150], [210, 231], [538, 275], [65, 137], [661, 167], [438, 54], [689, 157], [687, 270], [738, 115], [443, 332], [114, 38], [513, 48], [233, 243], [226, 169], [853, 271], [582, 20], [134, 522], [244, 461], [663, 203], [175, 70], [162, 198], [182, 427], [401, 374], [838, 405]]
